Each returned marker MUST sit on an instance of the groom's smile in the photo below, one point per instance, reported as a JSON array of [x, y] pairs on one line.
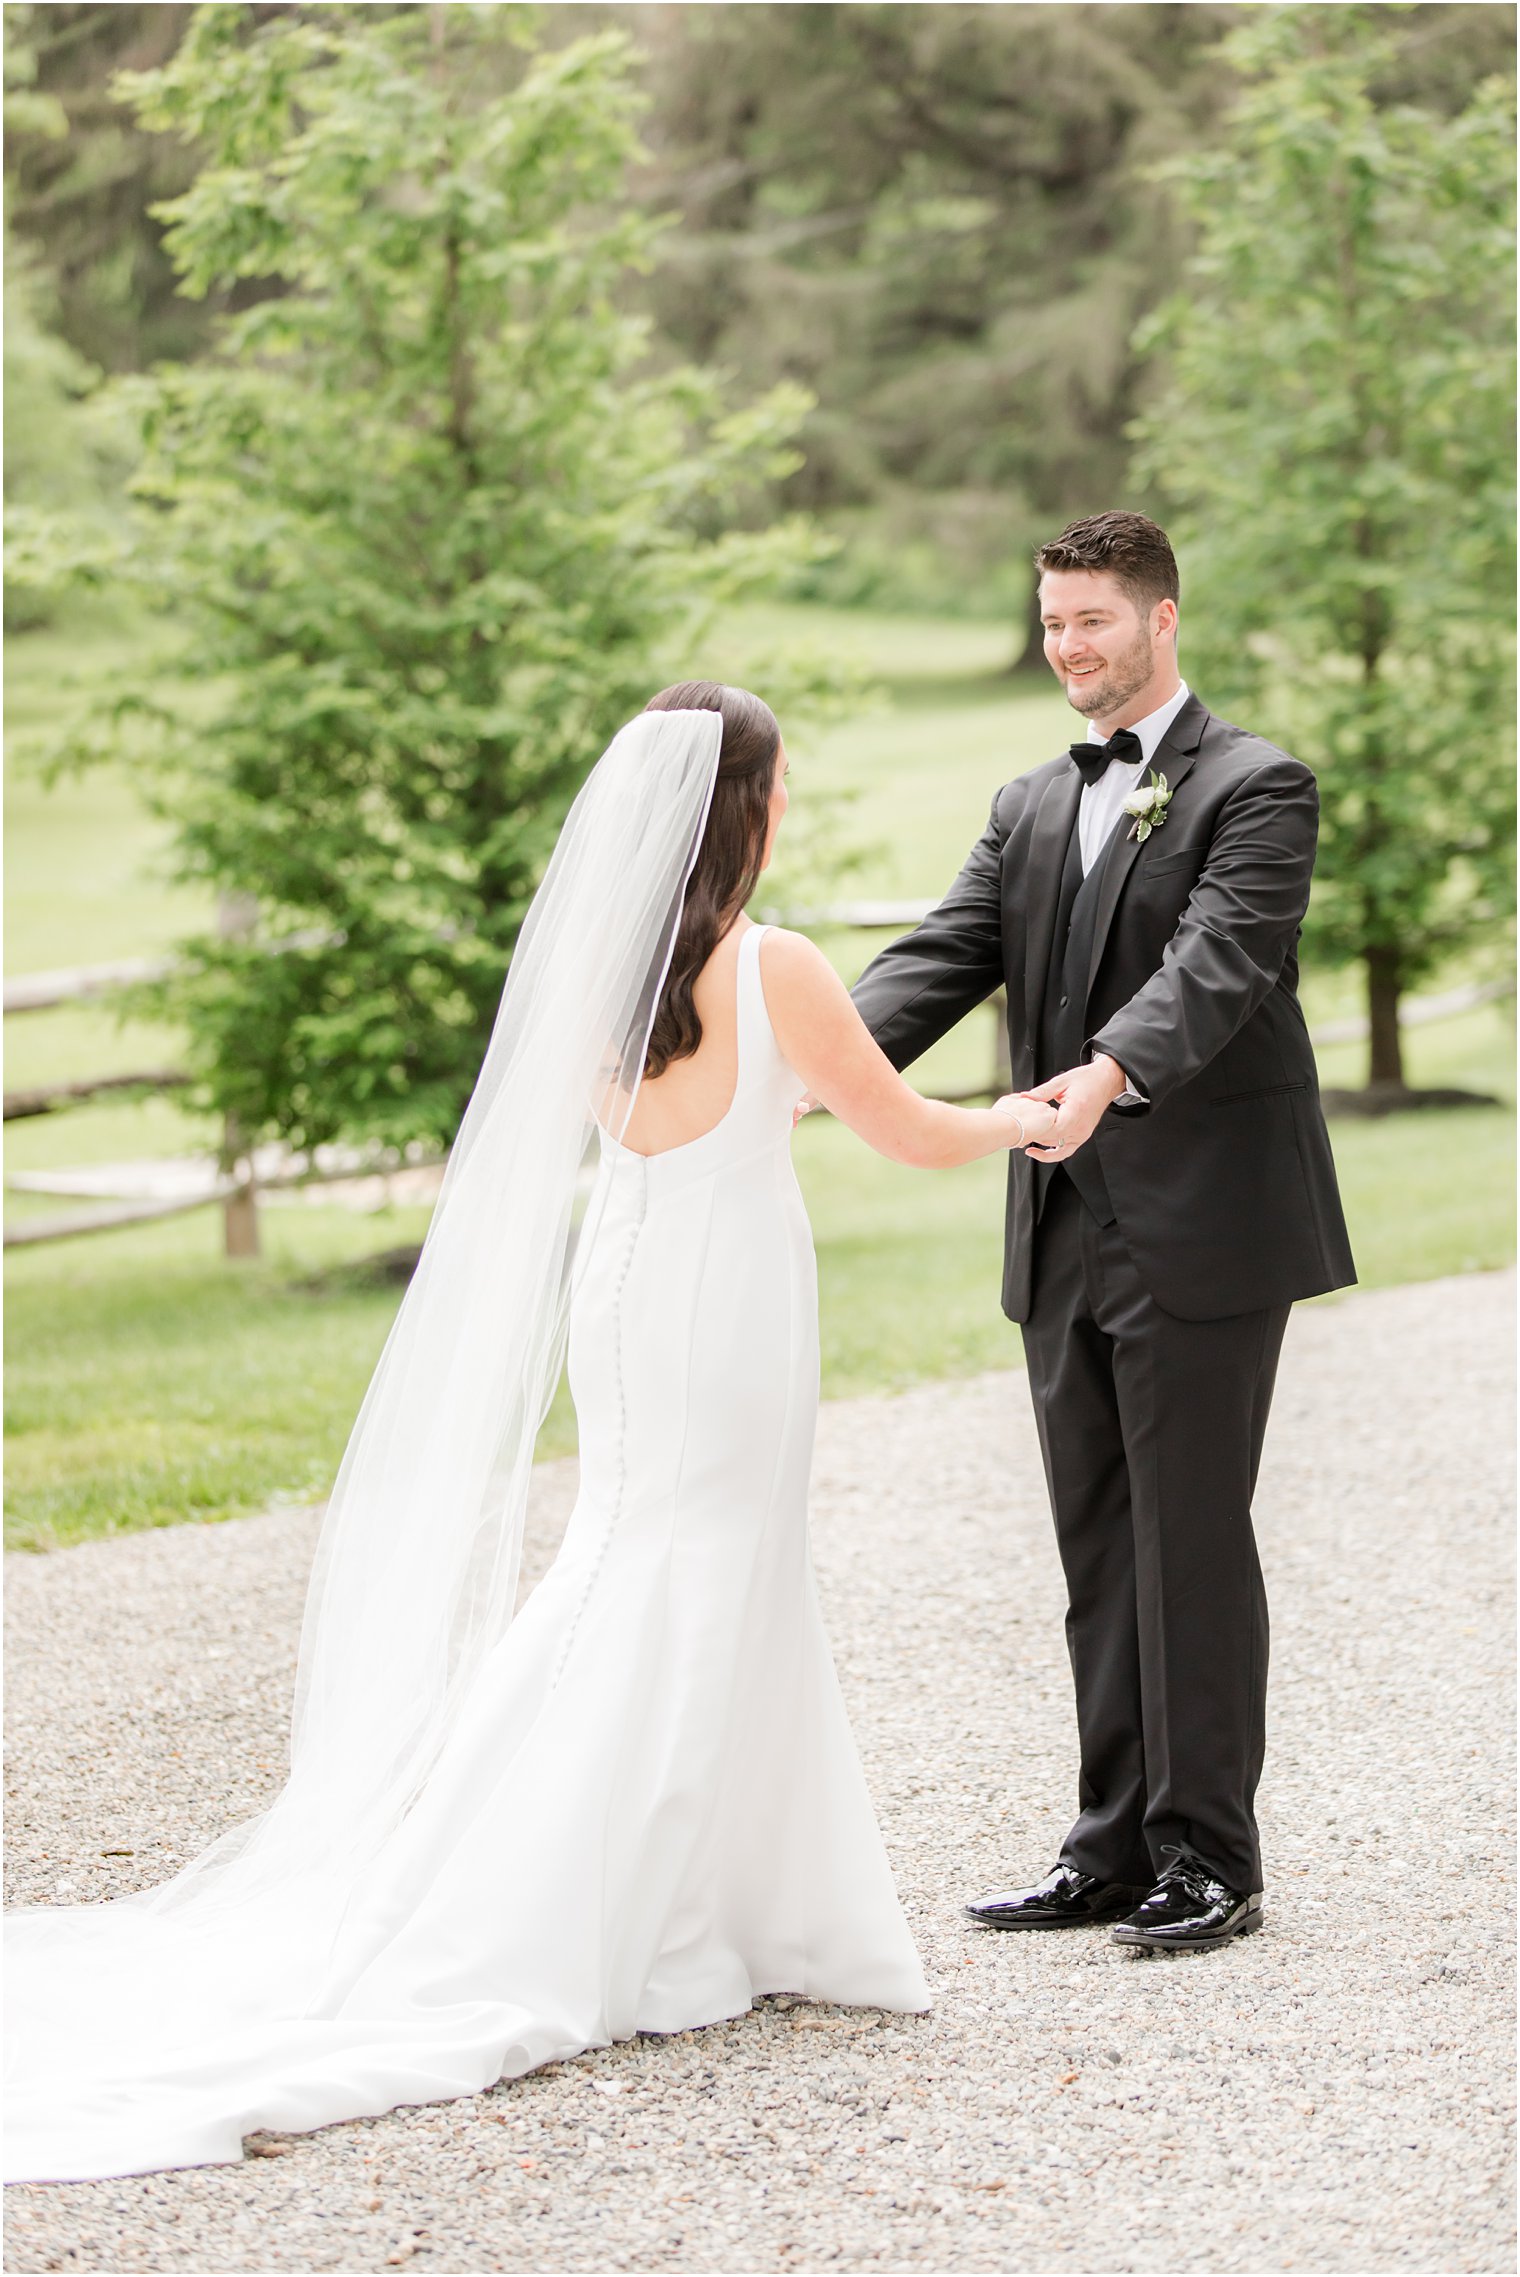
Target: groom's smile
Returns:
[[1108, 656]]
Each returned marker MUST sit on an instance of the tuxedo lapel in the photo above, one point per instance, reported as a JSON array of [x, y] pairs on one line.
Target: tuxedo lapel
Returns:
[[1048, 840], [1175, 756]]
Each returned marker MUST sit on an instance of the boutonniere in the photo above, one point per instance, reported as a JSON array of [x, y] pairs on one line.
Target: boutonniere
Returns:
[[1148, 806]]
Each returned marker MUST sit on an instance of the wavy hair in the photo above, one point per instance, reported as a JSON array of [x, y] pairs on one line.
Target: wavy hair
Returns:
[[728, 861], [1131, 547]]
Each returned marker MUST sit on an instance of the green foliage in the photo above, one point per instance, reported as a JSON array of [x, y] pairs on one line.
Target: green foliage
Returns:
[[430, 520], [146, 1385], [938, 218], [1338, 437], [28, 109], [946, 221], [45, 383], [80, 199], [55, 462]]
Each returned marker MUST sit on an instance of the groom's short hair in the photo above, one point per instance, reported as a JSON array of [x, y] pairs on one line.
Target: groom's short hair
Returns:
[[1132, 548]]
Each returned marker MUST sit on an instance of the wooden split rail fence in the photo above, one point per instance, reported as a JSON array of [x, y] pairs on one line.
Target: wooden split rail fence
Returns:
[[236, 1184]]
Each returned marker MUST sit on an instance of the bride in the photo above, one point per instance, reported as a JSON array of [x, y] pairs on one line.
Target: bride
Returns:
[[636, 1805]]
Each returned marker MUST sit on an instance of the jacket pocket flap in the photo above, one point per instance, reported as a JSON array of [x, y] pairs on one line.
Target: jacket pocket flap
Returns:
[[1175, 856], [1266, 1091]]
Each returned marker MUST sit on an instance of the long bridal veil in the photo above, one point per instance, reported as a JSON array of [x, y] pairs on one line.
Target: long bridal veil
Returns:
[[417, 1561]]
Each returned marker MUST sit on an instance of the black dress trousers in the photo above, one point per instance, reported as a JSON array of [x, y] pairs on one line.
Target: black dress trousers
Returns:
[[1151, 1429]]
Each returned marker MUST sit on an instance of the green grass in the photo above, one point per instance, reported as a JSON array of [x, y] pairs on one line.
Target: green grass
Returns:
[[1428, 1194], [910, 1263], [83, 877], [149, 1381], [85, 882]]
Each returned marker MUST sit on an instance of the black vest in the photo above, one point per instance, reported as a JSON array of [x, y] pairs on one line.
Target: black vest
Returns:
[[1063, 1014]]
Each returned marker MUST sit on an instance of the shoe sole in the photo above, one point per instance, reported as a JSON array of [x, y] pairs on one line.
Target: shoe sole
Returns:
[[1071, 1921], [1139, 1941]]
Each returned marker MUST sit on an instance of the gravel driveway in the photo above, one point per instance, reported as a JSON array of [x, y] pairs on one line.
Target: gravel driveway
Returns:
[[1332, 2095]]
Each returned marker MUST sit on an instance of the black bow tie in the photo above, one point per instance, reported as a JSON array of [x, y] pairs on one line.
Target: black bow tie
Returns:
[[1094, 758]]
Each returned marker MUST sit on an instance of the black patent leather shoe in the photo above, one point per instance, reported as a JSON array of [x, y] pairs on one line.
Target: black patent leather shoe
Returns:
[[1066, 1899], [1188, 1908]]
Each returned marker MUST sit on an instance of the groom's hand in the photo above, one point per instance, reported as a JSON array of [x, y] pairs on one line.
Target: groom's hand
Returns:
[[1081, 1097]]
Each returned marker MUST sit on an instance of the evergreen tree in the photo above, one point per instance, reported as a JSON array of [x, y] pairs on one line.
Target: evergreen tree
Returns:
[[941, 219], [57, 464], [81, 197], [1337, 436], [938, 219], [427, 522]]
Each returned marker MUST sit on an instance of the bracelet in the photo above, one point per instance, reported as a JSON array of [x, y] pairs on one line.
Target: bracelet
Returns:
[[1019, 1141]]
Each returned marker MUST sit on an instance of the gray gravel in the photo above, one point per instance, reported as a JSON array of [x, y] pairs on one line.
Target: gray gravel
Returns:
[[1332, 2095]]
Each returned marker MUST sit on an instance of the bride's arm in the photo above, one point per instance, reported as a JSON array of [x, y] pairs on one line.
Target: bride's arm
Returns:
[[826, 1041]]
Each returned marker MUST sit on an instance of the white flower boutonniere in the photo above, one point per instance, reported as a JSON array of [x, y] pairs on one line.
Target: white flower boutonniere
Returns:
[[1148, 805]]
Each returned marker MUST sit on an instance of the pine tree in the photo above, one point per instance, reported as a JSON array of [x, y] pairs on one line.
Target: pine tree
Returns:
[[938, 219], [427, 523], [57, 463], [81, 197], [1338, 439]]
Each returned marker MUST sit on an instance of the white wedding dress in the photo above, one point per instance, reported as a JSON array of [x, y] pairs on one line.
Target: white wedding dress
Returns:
[[650, 1808]]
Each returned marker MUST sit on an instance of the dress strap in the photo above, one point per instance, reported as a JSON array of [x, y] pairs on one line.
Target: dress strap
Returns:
[[754, 1023]]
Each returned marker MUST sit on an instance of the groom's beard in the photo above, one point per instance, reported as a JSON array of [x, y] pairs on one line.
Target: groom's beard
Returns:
[[1121, 678]]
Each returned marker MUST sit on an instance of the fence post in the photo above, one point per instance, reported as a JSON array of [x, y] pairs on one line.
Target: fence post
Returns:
[[237, 913]]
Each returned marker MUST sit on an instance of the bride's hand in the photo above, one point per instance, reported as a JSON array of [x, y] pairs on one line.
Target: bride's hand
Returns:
[[1037, 1116]]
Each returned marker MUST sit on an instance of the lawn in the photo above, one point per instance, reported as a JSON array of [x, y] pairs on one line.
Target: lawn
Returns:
[[149, 1382]]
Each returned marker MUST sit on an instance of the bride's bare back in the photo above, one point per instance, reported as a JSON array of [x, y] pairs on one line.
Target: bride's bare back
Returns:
[[695, 1094], [824, 1038]]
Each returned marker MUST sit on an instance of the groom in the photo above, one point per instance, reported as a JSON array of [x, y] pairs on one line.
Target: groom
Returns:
[[1154, 1244]]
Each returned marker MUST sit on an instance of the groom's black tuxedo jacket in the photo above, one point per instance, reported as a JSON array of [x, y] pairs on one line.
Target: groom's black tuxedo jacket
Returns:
[[1223, 1184]]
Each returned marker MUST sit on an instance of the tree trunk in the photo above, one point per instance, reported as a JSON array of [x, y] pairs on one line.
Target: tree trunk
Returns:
[[240, 1223], [1032, 658], [1386, 1060], [240, 1211]]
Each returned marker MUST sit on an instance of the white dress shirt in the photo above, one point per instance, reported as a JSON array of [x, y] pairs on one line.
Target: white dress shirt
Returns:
[[1102, 800]]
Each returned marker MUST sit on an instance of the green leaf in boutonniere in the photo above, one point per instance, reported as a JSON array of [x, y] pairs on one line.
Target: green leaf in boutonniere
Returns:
[[1148, 805]]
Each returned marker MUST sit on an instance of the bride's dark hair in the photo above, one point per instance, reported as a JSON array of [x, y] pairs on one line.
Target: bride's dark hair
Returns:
[[728, 861]]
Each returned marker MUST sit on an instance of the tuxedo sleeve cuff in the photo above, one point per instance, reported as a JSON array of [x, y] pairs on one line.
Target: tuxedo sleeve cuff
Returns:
[[1130, 1100]]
